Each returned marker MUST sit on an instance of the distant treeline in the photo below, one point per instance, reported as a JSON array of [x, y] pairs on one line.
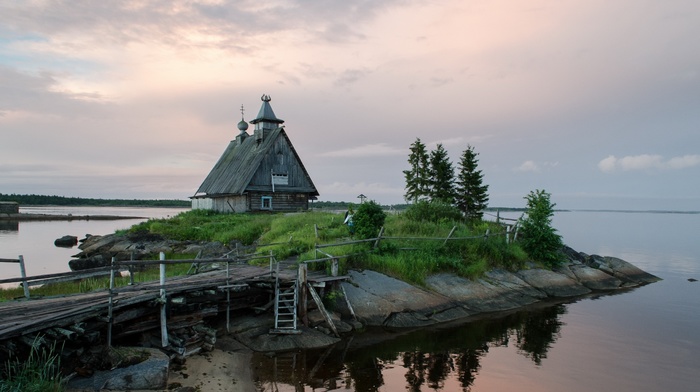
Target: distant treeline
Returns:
[[342, 205], [43, 200]]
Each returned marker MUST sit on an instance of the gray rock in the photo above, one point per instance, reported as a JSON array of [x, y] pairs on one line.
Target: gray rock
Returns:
[[67, 241], [149, 374], [628, 273], [594, 279], [552, 283], [375, 297]]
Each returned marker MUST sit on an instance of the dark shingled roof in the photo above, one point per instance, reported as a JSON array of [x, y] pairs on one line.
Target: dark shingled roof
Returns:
[[235, 169]]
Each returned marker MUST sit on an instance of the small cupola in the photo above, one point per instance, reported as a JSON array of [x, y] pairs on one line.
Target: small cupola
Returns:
[[242, 127], [266, 119]]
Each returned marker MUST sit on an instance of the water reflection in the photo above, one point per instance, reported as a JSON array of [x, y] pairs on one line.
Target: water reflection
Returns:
[[429, 359], [8, 225]]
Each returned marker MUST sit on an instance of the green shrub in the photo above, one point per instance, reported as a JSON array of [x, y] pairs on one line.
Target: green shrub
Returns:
[[368, 220], [432, 211], [538, 238]]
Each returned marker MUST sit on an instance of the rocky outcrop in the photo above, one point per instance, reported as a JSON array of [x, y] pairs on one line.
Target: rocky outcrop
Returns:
[[379, 300], [97, 251]]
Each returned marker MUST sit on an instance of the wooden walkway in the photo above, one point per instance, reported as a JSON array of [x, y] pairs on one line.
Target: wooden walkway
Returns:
[[26, 317]]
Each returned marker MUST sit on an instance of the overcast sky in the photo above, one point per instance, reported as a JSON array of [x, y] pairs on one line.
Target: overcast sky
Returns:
[[595, 101]]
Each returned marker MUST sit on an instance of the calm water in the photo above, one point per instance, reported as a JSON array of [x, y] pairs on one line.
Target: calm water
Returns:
[[646, 339], [34, 240]]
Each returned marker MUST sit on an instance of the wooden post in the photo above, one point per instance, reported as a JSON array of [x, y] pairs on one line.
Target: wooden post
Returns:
[[322, 309], [163, 300], [228, 297], [515, 236], [508, 234], [486, 235], [301, 286], [131, 271], [110, 308], [23, 274], [379, 237], [316, 229], [272, 260], [498, 216], [449, 235], [334, 267], [347, 301]]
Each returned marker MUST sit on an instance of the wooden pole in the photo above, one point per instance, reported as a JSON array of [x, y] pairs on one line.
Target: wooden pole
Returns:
[[508, 234], [23, 273], [316, 229], [498, 216], [450, 235], [301, 286], [228, 297], [110, 308], [486, 235], [322, 309], [163, 300], [131, 270], [379, 237], [334, 267]]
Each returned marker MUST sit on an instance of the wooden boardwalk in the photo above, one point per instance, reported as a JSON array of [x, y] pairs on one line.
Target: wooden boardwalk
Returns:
[[27, 317]]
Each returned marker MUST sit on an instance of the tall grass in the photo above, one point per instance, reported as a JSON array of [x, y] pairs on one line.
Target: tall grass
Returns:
[[38, 373]]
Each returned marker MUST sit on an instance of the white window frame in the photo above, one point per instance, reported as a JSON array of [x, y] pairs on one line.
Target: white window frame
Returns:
[[266, 200]]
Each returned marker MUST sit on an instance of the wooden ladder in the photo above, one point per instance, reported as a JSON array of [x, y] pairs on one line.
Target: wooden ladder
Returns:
[[286, 299]]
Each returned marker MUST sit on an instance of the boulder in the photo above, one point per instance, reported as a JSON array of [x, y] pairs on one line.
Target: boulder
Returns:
[[376, 297], [149, 374], [67, 241]]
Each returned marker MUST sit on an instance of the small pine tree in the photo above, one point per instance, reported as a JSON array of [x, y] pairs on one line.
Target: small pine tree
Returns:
[[471, 194], [442, 176], [417, 184], [539, 239]]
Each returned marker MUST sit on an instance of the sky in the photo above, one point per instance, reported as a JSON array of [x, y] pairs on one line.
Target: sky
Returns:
[[595, 101]]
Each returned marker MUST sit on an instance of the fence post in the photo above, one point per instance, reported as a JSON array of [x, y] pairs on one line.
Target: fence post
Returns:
[[379, 237], [228, 296], [498, 216], [316, 229], [163, 300], [449, 235], [508, 227], [23, 273], [110, 310], [131, 270], [486, 235], [334, 267]]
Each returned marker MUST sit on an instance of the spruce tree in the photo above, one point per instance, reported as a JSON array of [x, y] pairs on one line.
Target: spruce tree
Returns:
[[417, 177], [442, 176], [471, 194]]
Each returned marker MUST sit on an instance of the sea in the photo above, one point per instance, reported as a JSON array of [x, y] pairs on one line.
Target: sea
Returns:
[[642, 339]]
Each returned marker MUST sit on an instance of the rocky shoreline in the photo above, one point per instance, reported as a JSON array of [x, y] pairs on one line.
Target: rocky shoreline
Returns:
[[378, 300]]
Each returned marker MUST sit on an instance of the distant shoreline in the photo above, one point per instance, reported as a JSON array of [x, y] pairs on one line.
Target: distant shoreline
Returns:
[[22, 217]]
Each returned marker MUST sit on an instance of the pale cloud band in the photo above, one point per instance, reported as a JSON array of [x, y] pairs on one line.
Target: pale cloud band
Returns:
[[646, 162]]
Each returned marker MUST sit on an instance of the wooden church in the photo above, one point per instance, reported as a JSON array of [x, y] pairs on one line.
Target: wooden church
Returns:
[[258, 172]]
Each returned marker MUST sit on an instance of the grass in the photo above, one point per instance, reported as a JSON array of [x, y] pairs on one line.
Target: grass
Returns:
[[288, 235], [40, 372]]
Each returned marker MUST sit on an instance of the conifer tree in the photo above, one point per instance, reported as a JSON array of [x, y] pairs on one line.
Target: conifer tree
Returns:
[[417, 177], [471, 194], [442, 176]]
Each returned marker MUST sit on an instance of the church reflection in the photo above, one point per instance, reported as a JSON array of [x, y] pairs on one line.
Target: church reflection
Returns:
[[426, 358]]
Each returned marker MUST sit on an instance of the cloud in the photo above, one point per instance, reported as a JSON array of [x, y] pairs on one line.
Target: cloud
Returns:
[[368, 150], [528, 166], [647, 162]]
